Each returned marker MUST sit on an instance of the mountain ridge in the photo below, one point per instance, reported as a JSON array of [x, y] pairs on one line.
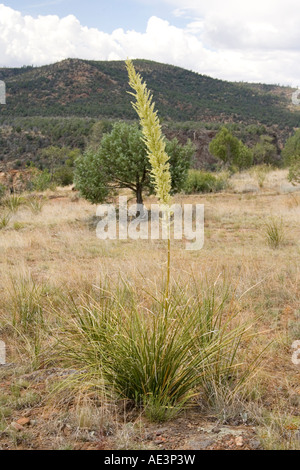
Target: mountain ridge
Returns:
[[98, 89]]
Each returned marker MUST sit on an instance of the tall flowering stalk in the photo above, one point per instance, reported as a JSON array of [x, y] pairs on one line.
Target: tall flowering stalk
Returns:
[[156, 150]]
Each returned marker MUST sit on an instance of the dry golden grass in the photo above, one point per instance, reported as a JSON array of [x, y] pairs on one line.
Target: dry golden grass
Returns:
[[58, 248]]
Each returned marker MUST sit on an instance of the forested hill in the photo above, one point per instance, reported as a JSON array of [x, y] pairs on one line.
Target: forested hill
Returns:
[[98, 89]]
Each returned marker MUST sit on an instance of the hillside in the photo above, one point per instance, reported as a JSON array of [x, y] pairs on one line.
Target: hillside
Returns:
[[99, 89]]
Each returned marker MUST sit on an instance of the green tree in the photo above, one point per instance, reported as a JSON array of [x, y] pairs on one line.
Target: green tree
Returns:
[[40, 180], [294, 172], [53, 156], [291, 150], [89, 178], [264, 151], [230, 150], [64, 175], [244, 158], [60, 162], [121, 162], [98, 130], [180, 162]]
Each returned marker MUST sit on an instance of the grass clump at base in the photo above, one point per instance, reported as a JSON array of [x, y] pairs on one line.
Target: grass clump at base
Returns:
[[159, 359]]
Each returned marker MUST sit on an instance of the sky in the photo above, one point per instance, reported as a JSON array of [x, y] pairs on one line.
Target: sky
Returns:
[[253, 41]]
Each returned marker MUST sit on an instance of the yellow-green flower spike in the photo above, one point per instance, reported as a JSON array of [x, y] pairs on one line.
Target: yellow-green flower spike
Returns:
[[152, 133]]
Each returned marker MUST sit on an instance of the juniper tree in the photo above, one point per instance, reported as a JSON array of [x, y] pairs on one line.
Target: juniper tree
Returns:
[[231, 150], [121, 162]]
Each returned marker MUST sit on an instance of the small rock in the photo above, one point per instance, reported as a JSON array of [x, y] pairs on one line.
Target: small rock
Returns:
[[161, 431], [202, 430], [66, 429], [200, 444], [239, 441], [216, 430], [23, 421], [17, 427], [159, 442], [255, 444]]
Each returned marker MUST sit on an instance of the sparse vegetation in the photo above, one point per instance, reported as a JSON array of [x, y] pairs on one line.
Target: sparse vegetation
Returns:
[[199, 340], [59, 314], [181, 95], [35, 203], [260, 172], [13, 202]]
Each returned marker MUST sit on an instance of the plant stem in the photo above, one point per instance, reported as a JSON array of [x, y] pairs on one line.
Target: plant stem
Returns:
[[168, 273]]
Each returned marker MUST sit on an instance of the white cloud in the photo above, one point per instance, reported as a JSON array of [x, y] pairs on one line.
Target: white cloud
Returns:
[[258, 24], [228, 40]]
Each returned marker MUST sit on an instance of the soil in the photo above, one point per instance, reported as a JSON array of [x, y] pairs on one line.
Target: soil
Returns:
[[44, 427]]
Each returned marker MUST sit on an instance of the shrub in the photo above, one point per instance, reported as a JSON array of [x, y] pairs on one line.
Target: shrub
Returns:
[[204, 182], [231, 150], [294, 172], [90, 180], [291, 150], [264, 151], [64, 176], [260, 173], [40, 181]]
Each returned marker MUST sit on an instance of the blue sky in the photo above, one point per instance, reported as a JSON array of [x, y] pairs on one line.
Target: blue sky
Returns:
[[106, 15], [253, 41]]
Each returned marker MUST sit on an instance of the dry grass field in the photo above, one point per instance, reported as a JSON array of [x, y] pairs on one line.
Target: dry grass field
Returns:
[[50, 257]]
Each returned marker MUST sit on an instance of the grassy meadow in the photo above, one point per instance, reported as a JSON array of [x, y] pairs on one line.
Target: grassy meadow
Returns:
[[94, 362]]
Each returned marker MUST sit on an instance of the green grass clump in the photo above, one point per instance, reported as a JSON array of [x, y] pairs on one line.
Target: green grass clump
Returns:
[[158, 358], [260, 173], [35, 203], [26, 304], [4, 220], [275, 234], [13, 202]]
